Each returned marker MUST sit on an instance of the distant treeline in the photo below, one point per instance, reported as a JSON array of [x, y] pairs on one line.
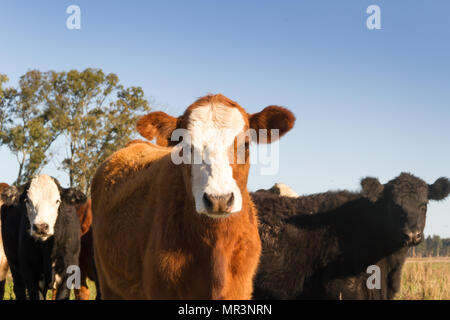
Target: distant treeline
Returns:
[[432, 246]]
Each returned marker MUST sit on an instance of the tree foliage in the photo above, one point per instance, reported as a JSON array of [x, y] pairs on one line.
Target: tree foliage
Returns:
[[91, 111], [432, 246], [24, 129]]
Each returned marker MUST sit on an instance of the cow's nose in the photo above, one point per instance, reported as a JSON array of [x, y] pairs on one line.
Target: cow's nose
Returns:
[[417, 236], [414, 237], [40, 228], [218, 204]]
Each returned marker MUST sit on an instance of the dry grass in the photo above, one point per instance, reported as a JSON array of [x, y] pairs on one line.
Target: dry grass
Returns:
[[425, 279], [422, 279]]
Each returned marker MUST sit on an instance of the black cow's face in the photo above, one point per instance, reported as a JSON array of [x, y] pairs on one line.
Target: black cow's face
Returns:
[[407, 207], [405, 200]]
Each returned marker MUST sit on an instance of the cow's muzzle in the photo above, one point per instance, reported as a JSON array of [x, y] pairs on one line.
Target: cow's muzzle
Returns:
[[218, 205], [413, 238]]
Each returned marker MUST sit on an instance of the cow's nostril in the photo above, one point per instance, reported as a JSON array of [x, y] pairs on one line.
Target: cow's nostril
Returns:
[[40, 228], [208, 202], [230, 200], [418, 236], [218, 203]]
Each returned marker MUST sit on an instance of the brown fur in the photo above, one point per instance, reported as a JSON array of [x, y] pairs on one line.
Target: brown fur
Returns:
[[84, 212], [272, 117], [157, 125], [86, 260], [150, 243]]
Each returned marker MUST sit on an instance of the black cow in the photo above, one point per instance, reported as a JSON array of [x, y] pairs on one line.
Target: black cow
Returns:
[[41, 236], [320, 246]]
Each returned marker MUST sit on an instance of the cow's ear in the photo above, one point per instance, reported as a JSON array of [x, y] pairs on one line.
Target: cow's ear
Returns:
[[11, 195], [157, 125], [73, 196], [271, 118], [439, 190], [371, 188]]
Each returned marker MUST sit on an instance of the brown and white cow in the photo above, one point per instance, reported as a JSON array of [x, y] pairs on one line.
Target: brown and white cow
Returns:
[[4, 267], [181, 231]]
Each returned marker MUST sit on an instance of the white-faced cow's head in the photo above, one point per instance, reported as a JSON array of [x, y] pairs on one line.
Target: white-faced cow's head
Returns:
[[216, 130], [42, 198]]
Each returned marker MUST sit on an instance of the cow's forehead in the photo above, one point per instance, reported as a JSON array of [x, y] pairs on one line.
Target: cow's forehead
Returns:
[[219, 105], [217, 119], [407, 187], [43, 188]]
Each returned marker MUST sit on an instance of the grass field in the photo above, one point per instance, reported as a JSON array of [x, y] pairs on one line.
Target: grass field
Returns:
[[425, 279], [9, 294], [422, 279]]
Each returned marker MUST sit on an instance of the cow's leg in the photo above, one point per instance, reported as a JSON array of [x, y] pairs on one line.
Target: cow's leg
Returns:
[[3, 272], [94, 276], [32, 284], [30, 272], [62, 291], [18, 284], [2, 289], [42, 289], [98, 295], [83, 292], [33, 291]]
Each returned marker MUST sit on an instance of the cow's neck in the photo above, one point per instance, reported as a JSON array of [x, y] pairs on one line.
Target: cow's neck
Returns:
[[376, 239], [213, 231], [214, 240]]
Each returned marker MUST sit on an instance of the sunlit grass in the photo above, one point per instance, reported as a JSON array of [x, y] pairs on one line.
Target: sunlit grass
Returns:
[[9, 292], [422, 279], [425, 279]]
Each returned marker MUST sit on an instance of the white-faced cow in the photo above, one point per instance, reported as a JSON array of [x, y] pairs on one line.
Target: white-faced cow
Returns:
[[41, 236], [328, 245], [168, 230]]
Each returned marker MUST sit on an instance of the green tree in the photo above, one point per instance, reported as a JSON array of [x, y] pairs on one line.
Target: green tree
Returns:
[[24, 129], [95, 114], [437, 245]]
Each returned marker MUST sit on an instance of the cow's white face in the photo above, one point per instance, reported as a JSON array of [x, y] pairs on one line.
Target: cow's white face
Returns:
[[43, 201], [212, 124], [213, 130]]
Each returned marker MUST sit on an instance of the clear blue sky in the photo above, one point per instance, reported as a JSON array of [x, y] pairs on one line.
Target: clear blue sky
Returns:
[[368, 102]]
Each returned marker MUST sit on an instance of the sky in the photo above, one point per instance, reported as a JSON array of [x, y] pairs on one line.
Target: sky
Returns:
[[367, 102]]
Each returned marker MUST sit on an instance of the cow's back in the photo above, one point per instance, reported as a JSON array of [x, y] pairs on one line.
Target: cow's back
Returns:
[[299, 241], [124, 187]]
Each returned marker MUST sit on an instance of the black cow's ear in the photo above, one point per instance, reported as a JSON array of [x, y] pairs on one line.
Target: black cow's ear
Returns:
[[371, 188], [73, 196], [439, 190], [11, 196]]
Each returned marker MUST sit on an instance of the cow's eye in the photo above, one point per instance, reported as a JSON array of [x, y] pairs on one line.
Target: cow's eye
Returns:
[[423, 207]]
